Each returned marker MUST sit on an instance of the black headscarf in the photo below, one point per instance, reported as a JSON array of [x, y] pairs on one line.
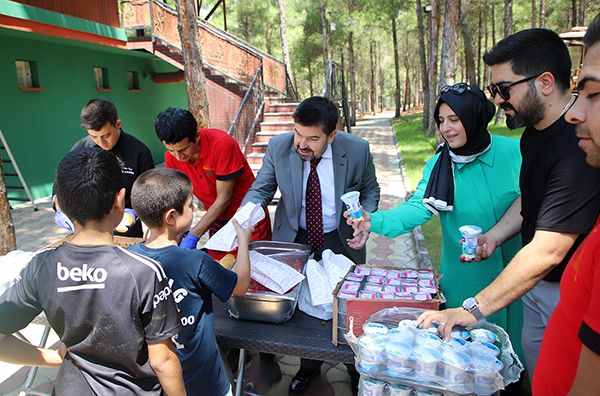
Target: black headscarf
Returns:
[[475, 112]]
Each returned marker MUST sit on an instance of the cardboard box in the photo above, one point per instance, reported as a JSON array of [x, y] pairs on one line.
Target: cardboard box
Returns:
[[360, 309]]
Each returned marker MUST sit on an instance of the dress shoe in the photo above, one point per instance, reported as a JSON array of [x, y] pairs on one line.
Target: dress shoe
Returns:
[[270, 372], [301, 381]]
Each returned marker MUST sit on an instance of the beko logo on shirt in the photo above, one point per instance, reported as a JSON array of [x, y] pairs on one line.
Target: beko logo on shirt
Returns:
[[85, 273]]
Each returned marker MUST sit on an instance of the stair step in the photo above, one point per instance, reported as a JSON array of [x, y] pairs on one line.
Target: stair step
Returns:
[[264, 136], [282, 107], [290, 114], [278, 117]]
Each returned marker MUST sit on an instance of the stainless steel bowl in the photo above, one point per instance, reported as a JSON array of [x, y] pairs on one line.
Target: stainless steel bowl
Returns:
[[269, 306]]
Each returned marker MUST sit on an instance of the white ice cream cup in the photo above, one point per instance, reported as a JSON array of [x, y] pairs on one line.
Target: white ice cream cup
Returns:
[[454, 366], [351, 199], [485, 374], [399, 359], [372, 387], [399, 390], [470, 237], [426, 361]]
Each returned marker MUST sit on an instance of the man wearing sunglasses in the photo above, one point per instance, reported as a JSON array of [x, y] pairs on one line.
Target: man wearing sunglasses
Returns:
[[560, 193]]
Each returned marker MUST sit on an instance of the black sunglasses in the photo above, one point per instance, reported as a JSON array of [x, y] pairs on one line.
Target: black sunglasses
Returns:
[[456, 89], [503, 90]]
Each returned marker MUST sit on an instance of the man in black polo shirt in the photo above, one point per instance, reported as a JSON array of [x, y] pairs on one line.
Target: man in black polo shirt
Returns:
[[99, 118], [560, 193]]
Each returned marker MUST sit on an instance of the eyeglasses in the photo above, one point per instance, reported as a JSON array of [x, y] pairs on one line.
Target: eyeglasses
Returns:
[[456, 89], [503, 90]]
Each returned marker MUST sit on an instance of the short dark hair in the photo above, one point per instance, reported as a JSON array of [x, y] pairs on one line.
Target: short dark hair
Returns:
[[157, 191], [592, 36], [97, 112], [173, 125], [317, 111], [531, 52], [87, 181]]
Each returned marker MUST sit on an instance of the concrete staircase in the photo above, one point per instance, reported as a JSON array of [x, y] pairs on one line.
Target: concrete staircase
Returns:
[[277, 119]]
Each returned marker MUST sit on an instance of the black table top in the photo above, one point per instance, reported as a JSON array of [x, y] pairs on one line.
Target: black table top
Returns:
[[302, 336]]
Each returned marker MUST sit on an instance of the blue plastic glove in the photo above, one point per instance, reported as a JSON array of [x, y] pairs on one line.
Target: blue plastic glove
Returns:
[[63, 221], [127, 222], [190, 241], [133, 214]]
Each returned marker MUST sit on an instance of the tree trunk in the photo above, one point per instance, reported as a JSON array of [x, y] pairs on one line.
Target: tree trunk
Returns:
[[508, 30], [192, 59], [352, 78], [310, 82], [581, 21], [533, 14], [373, 93], [407, 84], [469, 55], [424, 68], [574, 12], [479, 34], [284, 42], [485, 44], [542, 14], [8, 241], [508, 17], [449, 44], [397, 69], [324, 27], [493, 23], [433, 71]]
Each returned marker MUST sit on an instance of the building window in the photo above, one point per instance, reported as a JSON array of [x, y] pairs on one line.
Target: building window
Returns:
[[101, 74], [27, 75], [133, 81]]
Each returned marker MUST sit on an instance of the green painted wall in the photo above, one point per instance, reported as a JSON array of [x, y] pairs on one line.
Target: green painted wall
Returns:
[[41, 126]]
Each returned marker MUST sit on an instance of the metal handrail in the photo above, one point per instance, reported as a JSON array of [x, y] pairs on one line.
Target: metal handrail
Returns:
[[332, 87], [258, 112]]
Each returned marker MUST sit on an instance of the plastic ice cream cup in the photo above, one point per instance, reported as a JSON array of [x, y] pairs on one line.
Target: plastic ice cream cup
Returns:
[[351, 199], [485, 374], [371, 348], [470, 237], [454, 366], [375, 329], [372, 387], [399, 390], [426, 361], [399, 358], [429, 340], [483, 335]]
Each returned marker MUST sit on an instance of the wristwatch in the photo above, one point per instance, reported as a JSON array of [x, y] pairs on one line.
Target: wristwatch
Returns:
[[471, 305]]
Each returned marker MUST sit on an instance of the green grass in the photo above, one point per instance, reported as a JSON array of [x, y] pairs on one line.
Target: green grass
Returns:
[[416, 149]]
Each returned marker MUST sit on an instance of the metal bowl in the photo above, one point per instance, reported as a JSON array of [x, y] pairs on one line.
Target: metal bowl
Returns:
[[269, 306]]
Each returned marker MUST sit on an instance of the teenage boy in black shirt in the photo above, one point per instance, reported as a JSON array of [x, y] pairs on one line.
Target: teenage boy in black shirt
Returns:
[[99, 118]]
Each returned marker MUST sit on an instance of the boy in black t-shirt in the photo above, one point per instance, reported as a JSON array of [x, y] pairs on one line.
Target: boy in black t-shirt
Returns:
[[112, 308], [163, 200]]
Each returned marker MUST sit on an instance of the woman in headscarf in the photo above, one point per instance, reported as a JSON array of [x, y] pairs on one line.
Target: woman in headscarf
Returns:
[[471, 181]]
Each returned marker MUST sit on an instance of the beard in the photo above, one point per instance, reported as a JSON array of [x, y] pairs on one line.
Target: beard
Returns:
[[592, 152], [531, 113]]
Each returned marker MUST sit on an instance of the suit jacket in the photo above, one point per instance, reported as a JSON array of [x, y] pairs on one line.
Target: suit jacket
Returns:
[[353, 170]]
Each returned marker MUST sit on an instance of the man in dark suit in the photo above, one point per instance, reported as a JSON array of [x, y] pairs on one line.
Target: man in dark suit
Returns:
[[342, 163]]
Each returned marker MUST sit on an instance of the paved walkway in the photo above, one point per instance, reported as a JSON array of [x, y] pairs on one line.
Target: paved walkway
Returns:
[[35, 230]]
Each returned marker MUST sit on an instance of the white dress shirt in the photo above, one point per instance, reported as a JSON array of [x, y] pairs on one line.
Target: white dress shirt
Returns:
[[326, 180]]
